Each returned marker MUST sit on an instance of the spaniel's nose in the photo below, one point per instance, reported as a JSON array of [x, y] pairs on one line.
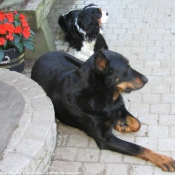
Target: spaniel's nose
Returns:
[[107, 13]]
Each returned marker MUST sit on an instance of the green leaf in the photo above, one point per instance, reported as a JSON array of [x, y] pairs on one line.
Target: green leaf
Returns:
[[17, 38], [28, 44], [32, 32], [1, 54], [5, 45], [17, 23], [20, 47]]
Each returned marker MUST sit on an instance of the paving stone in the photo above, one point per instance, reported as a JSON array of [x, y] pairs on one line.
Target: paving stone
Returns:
[[34, 91], [37, 131], [41, 116], [92, 143], [113, 169], [61, 167], [160, 108], [168, 98], [133, 160], [111, 156], [65, 153], [41, 102], [172, 109], [89, 155], [148, 119], [23, 83], [165, 144], [78, 140], [93, 169], [157, 131], [29, 147], [14, 163], [139, 108], [7, 76], [160, 71], [166, 120], [151, 98], [160, 88], [137, 169], [152, 64]]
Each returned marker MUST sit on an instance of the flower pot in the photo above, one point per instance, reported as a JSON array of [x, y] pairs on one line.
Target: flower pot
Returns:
[[13, 60]]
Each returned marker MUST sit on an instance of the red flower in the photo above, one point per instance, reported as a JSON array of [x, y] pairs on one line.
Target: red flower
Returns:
[[9, 27], [14, 27], [2, 41], [10, 17], [15, 12], [18, 29], [2, 29], [26, 32], [22, 17], [24, 23], [10, 37], [2, 16]]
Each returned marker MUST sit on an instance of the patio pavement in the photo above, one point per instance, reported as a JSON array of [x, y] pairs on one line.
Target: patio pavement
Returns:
[[144, 32]]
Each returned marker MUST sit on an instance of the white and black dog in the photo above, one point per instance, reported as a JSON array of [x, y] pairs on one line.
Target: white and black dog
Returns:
[[81, 29]]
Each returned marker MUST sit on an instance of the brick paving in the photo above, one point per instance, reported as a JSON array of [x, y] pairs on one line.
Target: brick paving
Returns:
[[144, 32]]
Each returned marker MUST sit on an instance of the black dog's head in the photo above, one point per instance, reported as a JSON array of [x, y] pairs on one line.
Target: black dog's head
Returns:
[[117, 72], [90, 19]]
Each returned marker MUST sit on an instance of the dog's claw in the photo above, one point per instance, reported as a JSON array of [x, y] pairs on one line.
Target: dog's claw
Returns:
[[168, 164]]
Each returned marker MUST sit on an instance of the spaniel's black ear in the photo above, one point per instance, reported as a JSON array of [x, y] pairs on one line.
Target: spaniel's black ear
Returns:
[[89, 24]]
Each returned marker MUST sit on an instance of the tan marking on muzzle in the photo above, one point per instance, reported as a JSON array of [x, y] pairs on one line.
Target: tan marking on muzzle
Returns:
[[125, 85], [135, 84], [116, 93]]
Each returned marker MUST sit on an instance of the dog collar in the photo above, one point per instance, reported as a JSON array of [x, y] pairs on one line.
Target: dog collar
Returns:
[[78, 28], [92, 7]]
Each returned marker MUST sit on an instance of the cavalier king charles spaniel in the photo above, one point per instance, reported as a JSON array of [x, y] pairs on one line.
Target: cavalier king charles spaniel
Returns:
[[81, 29]]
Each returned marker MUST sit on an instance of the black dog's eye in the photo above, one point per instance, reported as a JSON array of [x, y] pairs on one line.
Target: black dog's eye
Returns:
[[111, 71]]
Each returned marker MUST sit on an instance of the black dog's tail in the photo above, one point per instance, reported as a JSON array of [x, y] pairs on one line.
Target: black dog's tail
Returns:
[[62, 22]]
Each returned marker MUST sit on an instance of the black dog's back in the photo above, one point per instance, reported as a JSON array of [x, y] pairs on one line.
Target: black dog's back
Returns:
[[55, 62]]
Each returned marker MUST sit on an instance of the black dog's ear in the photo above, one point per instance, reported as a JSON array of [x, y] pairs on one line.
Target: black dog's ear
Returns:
[[101, 61], [102, 64]]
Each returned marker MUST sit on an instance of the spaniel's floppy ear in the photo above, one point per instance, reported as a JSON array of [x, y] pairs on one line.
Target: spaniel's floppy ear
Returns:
[[89, 25]]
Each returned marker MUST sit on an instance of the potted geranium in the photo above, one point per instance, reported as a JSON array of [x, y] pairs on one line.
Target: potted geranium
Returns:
[[15, 36]]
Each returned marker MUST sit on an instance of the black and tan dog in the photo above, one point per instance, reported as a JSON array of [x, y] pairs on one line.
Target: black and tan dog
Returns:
[[87, 96]]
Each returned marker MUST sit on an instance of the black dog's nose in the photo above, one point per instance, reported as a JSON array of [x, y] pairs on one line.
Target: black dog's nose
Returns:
[[107, 13], [145, 80]]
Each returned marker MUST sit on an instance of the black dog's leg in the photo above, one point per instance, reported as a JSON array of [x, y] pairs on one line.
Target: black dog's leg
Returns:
[[127, 122], [115, 144]]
